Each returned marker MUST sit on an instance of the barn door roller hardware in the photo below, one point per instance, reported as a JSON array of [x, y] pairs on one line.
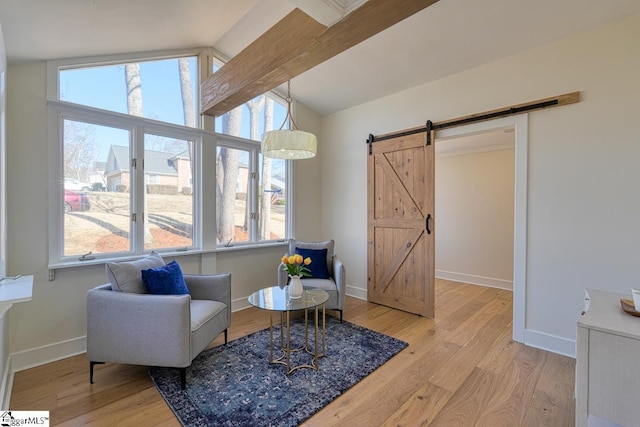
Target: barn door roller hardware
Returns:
[[556, 101], [372, 138]]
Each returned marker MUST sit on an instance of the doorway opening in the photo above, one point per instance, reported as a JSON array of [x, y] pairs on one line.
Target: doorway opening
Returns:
[[469, 134]]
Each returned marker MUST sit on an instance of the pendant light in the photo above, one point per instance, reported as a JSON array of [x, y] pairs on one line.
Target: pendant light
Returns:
[[291, 144]]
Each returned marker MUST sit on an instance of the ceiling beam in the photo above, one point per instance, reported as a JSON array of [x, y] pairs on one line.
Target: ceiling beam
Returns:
[[243, 75], [294, 45]]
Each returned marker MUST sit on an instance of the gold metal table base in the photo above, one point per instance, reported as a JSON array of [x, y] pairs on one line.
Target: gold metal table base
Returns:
[[285, 341]]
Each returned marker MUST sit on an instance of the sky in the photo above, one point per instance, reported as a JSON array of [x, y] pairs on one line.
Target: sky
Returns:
[[104, 87]]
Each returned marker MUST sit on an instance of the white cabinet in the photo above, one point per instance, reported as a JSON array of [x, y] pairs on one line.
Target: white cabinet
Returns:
[[608, 362]]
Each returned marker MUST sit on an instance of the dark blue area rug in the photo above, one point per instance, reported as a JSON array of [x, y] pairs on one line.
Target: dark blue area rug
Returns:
[[235, 385]]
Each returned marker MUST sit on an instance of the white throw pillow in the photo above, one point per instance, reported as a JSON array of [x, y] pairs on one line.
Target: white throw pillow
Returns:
[[126, 276]]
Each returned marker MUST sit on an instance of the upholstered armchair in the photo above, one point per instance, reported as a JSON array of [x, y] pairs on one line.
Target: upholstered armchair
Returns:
[[127, 324], [328, 271]]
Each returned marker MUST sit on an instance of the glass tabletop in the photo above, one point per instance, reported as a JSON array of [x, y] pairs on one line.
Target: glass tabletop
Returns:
[[276, 298]]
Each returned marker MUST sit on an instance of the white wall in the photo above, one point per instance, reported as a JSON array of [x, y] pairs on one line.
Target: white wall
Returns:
[[474, 217], [53, 324], [583, 204], [307, 182]]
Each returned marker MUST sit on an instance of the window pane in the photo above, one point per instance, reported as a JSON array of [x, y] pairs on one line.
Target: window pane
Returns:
[[168, 192], [96, 189], [252, 119], [272, 203], [164, 90], [233, 179]]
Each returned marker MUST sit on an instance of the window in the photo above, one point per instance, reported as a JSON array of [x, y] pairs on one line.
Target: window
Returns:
[[253, 118], [105, 210], [129, 136], [162, 89], [96, 157], [254, 209], [168, 196], [127, 164], [272, 207]]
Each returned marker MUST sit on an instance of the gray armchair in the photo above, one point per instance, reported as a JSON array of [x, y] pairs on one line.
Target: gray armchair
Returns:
[[334, 285], [157, 330]]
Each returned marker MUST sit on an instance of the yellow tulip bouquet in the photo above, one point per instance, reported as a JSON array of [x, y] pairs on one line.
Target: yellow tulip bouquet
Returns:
[[295, 265]]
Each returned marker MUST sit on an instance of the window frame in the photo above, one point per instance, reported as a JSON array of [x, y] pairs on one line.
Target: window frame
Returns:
[[204, 151], [138, 127], [247, 144], [253, 147]]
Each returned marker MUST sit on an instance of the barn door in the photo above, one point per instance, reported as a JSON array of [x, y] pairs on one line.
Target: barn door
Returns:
[[401, 238]]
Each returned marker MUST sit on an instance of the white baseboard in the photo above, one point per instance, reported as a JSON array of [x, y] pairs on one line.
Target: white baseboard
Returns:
[[552, 343], [35, 357], [240, 304], [356, 292], [46, 354], [475, 280]]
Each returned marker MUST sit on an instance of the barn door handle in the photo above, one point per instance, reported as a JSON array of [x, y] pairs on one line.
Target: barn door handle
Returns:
[[428, 224]]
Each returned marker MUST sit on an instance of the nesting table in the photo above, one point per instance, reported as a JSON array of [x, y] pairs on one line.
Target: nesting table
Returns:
[[277, 301]]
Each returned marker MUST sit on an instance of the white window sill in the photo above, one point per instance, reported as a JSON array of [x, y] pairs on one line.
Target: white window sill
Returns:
[[130, 257], [13, 291]]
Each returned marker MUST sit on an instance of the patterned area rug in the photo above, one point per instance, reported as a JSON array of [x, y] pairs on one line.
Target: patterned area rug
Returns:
[[235, 385]]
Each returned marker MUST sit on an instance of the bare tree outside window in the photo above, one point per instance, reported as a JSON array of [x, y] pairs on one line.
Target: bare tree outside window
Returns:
[[188, 104], [134, 89], [269, 201], [255, 106], [227, 174], [79, 150], [186, 91], [265, 191], [134, 108]]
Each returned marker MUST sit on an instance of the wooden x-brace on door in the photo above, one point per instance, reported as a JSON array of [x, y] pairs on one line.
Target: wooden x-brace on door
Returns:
[[400, 212]]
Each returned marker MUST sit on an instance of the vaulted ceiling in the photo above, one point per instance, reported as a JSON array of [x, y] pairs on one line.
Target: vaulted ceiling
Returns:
[[445, 38]]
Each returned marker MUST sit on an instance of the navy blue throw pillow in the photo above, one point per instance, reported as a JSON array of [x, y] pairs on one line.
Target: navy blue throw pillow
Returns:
[[318, 264], [165, 280]]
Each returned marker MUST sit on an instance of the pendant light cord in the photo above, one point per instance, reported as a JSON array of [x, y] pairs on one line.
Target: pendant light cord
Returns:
[[289, 116]]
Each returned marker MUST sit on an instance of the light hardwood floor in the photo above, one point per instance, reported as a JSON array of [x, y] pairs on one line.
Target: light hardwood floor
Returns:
[[461, 369]]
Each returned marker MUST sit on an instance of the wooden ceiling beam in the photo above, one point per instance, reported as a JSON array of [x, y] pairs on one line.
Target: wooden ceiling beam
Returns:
[[294, 45], [244, 74]]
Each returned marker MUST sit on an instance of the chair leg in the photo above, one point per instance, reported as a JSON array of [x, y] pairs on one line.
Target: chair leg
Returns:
[[225, 337], [340, 316], [91, 365], [183, 378]]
